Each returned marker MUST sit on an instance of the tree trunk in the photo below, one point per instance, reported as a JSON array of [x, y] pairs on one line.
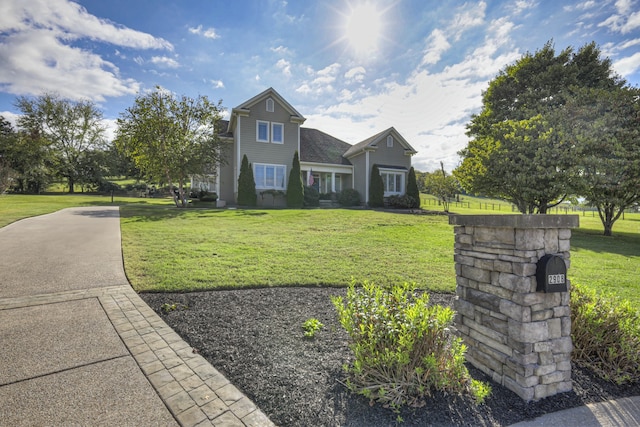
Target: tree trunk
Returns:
[[71, 185]]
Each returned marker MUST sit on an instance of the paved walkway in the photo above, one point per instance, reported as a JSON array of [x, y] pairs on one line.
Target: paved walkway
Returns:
[[79, 347]]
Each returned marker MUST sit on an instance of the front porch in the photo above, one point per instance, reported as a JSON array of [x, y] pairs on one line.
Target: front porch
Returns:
[[327, 179]]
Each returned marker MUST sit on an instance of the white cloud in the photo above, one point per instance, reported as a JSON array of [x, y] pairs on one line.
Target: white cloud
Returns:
[[322, 80], [37, 52], [281, 50], [628, 65], [590, 4], [355, 74], [469, 17], [284, 66], [165, 61], [522, 5], [209, 33], [625, 20], [437, 44], [217, 84]]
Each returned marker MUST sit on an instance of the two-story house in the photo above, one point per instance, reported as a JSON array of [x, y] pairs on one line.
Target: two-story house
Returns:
[[268, 130]]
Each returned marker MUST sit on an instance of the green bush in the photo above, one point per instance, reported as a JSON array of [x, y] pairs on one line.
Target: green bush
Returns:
[[311, 197], [376, 188], [246, 184], [295, 187], [412, 189], [606, 335], [349, 197], [403, 348], [401, 202], [311, 326]]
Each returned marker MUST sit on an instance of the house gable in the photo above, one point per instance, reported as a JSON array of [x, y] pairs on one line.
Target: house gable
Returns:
[[378, 140]]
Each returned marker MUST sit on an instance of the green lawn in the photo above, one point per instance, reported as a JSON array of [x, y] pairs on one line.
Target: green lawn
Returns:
[[15, 206], [171, 249]]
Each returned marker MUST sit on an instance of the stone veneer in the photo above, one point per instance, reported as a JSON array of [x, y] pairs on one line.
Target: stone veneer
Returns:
[[520, 337]]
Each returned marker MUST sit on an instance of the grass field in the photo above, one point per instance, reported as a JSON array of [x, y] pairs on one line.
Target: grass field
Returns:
[[169, 249]]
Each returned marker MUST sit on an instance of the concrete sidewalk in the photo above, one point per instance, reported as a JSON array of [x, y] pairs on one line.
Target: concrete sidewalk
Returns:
[[79, 347]]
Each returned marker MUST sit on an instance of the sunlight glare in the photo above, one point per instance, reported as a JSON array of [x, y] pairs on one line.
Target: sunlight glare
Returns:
[[363, 28]]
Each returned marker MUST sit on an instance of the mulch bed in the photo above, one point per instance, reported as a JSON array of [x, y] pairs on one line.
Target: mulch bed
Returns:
[[255, 338]]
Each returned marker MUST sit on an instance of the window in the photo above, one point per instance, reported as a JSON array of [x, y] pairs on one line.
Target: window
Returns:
[[338, 183], [277, 133], [269, 176], [393, 183], [389, 141], [270, 105], [262, 131]]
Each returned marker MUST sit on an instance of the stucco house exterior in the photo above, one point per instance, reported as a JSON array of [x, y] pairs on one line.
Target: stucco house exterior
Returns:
[[268, 130]]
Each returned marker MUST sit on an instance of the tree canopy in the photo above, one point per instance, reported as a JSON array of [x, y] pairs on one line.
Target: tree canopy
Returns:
[[605, 126], [171, 138], [523, 146], [70, 129]]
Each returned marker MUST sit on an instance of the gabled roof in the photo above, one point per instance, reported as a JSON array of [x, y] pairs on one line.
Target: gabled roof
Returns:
[[372, 143], [319, 147], [271, 92]]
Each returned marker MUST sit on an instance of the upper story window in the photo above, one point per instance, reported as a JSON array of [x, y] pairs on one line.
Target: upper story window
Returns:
[[270, 105], [262, 131], [269, 132], [277, 133], [389, 141]]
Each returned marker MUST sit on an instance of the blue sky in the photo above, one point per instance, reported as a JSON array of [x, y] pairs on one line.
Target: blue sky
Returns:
[[351, 67]]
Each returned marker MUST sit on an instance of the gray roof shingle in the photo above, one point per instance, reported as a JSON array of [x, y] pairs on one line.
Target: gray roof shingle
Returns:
[[319, 147]]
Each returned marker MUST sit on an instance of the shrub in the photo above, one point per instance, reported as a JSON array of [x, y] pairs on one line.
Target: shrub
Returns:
[[376, 188], [401, 202], [403, 348], [606, 335], [349, 197], [311, 197], [412, 189], [311, 326], [246, 184], [295, 188]]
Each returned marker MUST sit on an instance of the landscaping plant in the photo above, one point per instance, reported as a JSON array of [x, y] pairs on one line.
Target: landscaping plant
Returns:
[[606, 335], [311, 326], [404, 348]]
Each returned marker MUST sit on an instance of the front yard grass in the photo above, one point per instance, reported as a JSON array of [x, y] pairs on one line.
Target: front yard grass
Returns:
[[174, 250]]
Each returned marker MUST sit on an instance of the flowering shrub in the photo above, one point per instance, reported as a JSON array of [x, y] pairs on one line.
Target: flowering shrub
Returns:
[[404, 348]]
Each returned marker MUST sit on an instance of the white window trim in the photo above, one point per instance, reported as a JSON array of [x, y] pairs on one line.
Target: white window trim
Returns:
[[262, 186], [390, 141], [402, 182], [270, 105], [272, 132], [258, 123]]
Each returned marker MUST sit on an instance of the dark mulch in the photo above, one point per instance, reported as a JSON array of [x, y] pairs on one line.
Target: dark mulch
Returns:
[[255, 338]]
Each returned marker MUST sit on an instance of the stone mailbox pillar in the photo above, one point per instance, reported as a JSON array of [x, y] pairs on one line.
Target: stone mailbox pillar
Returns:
[[519, 336]]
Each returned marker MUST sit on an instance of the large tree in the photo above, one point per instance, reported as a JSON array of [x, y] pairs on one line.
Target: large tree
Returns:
[[605, 127], [171, 138], [517, 150], [28, 156], [72, 128]]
